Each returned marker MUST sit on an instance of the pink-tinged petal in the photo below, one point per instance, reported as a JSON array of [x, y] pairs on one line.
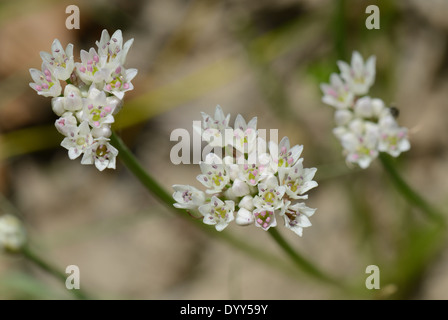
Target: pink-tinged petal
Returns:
[[240, 123], [56, 48]]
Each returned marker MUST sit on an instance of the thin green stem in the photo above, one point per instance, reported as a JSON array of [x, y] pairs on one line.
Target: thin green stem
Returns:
[[339, 29], [408, 193], [302, 263], [44, 265], [136, 168]]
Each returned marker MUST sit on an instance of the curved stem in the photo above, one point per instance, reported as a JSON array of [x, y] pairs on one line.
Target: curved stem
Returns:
[[408, 193], [135, 167], [301, 262], [44, 265]]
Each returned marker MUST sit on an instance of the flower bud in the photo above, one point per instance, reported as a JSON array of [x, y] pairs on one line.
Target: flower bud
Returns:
[[12, 233], [247, 203], [244, 217], [240, 188], [102, 132], [57, 104]]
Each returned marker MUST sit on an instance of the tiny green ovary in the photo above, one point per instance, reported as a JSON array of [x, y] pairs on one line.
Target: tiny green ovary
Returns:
[[96, 114], [81, 141], [220, 212], [364, 150], [392, 140], [269, 197], [217, 180], [293, 186]]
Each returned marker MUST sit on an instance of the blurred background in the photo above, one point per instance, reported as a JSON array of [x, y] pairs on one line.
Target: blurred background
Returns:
[[257, 58]]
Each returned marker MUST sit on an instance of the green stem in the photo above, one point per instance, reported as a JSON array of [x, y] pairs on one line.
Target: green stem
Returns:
[[135, 167], [33, 257], [303, 264], [408, 193], [339, 29]]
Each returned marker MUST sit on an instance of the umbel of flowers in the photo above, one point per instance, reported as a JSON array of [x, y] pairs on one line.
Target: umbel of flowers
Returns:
[[86, 95], [365, 126], [251, 181]]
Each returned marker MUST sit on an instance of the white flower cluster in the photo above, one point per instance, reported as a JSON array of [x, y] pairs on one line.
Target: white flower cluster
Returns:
[[12, 233], [93, 93], [253, 183], [365, 126]]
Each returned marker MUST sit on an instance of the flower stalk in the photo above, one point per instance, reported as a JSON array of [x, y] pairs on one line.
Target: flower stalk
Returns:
[[408, 193], [47, 267], [305, 265]]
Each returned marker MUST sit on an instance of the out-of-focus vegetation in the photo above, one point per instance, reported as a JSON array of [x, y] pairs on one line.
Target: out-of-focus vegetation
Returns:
[[257, 58]]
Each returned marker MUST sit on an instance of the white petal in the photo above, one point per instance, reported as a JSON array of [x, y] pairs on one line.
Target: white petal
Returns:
[[100, 165], [221, 226], [240, 188], [244, 217], [247, 203], [303, 221], [240, 123]]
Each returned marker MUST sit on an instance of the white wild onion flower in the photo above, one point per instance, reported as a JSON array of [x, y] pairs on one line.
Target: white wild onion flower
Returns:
[[12, 233], [92, 95], [252, 184], [365, 126]]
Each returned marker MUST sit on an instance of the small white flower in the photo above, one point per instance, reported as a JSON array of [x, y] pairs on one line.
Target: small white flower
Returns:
[[393, 138], [297, 180], [45, 82], [270, 194], [60, 61], [188, 197], [360, 142], [296, 217], [112, 48], [283, 154], [358, 76], [213, 129], [67, 124], [253, 173], [97, 110], [12, 233], [120, 81], [245, 135], [78, 141], [218, 212], [337, 93], [101, 153], [264, 218], [214, 175], [220, 121], [92, 68], [244, 217]]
